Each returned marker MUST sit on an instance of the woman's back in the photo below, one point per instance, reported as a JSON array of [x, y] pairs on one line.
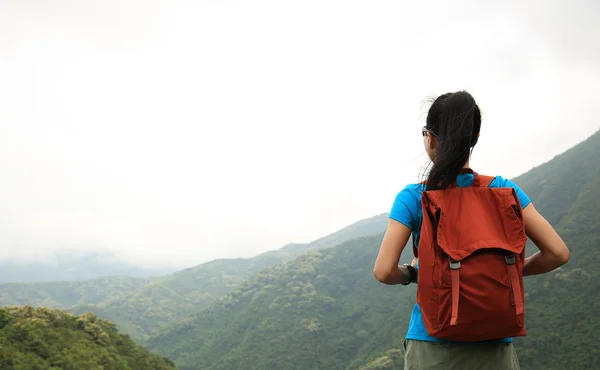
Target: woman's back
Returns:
[[407, 210], [452, 130]]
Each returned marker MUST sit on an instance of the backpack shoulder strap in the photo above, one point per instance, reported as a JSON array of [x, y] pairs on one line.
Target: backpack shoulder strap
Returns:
[[485, 181]]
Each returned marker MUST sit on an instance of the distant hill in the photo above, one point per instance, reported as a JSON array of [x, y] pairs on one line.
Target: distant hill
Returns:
[[325, 309], [50, 339], [72, 266], [141, 307]]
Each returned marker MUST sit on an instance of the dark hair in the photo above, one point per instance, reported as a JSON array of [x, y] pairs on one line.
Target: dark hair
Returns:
[[455, 120]]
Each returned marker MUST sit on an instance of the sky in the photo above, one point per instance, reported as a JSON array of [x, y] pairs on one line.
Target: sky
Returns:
[[176, 132]]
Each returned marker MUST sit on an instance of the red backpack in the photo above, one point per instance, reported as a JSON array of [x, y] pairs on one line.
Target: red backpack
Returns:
[[471, 253]]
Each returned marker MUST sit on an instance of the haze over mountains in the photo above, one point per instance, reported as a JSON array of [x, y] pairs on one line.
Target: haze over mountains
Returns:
[[317, 305], [143, 305], [72, 266]]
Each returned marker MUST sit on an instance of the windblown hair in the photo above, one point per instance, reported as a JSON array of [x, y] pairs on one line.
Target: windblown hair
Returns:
[[455, 120]]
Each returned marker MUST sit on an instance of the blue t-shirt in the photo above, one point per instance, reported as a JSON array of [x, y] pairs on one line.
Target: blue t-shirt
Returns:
[[407, 210]]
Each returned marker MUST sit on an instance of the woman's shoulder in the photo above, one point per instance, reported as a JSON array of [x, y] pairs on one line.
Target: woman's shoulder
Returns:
[[499, 181], [414, 188], [406, 207], [412, 191], [503, 182]]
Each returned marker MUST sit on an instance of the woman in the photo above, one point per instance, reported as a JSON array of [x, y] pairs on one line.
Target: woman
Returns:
[[452, 130]]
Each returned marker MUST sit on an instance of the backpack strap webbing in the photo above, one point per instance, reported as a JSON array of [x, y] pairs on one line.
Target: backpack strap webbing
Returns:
[[486, 181], [515, 285], [454, 268]]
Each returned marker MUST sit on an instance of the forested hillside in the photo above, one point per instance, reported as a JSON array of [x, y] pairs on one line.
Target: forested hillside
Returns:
[[140, 307], [325, 309], [563, 307], [316, 312], [65, 294], [51, 339]]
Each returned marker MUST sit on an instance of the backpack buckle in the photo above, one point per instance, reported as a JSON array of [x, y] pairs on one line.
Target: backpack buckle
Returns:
[[510, 260], [454, 265]]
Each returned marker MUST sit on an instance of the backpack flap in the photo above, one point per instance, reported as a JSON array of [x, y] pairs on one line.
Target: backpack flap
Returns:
[[475, 218]]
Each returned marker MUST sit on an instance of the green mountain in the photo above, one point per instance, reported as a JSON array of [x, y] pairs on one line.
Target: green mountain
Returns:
[[51, 339], [563, 306], [316, 312], [65, 294], [325, 310], [141, 307]]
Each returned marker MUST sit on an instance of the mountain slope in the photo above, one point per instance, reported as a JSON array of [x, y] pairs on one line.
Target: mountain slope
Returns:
[[556, 184], [51, 339], [314, 312], [68, 293], [325, 310], [152, 304], [563, 306]]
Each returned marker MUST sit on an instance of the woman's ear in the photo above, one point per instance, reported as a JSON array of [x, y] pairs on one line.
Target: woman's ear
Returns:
[[432, 142]]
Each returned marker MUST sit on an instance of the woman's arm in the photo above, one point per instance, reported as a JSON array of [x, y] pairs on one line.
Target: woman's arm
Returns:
[[386, 268], [553, 251]]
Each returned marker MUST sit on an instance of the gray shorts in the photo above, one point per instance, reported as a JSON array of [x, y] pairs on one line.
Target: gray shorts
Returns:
[[421, 355]]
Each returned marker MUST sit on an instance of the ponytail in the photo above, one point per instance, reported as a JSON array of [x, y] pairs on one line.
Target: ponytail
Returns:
[[455, 120]]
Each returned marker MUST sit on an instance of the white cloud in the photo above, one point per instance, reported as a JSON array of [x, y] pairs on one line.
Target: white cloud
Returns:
[[181, 131]]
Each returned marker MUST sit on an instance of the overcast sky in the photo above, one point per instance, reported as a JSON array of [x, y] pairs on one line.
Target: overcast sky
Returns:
[[175, 132]]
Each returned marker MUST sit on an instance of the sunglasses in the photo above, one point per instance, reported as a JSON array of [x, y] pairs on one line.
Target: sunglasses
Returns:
[[425, 131]]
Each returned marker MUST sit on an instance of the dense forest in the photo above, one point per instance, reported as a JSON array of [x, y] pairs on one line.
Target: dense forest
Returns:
[[325, 310], [318, 306], [41, 338]]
